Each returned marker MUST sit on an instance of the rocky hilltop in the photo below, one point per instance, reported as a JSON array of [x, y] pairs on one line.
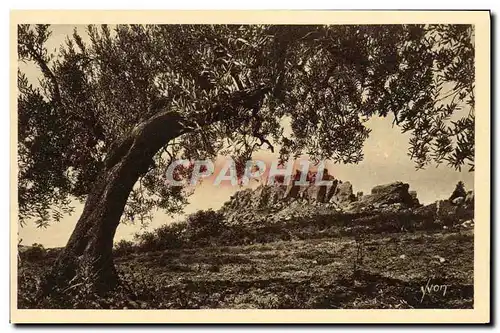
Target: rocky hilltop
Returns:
[[273, 203]]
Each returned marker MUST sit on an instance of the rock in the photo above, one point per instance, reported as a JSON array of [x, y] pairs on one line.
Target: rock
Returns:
[[392, 193], [389, 197], [343, 194], [451, 214], [414, 197], [468, 224], [445, 209], [469, 199], [458, 201], [265, 196], [428, 211], [292, 191], [395, 207], [313, 194], [402, 256], [439, 258], [331, 190], [276, 203]]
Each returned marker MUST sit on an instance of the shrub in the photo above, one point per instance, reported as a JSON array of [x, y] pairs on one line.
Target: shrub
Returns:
[[147, 241], [170, 236], [32, 253], [124, 247], [205, 224]]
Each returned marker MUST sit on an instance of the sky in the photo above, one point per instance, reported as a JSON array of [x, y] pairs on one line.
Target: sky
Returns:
[[385, 160]]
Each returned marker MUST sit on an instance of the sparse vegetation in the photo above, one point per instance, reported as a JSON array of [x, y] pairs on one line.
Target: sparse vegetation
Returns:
[[124, 247], [207, 228], [33, 252], [318, 263]]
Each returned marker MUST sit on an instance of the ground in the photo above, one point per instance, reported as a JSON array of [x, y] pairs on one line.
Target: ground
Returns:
[[384, 270]]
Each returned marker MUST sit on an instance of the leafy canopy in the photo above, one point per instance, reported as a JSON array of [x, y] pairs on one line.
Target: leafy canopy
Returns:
[[324, 83]]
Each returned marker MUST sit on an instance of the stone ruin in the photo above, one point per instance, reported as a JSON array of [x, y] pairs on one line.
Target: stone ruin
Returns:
[[283, 202], [339, 195]]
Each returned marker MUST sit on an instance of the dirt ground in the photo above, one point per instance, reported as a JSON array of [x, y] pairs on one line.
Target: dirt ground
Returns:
[[394, 270]]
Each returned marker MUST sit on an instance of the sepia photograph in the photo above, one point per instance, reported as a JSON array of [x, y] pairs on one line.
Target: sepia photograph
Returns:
[[300, 162]]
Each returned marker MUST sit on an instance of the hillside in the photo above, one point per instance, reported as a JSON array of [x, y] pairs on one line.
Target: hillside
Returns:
[[283, 247]]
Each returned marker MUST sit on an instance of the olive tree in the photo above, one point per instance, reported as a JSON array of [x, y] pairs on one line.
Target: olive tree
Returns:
[[113, 110]]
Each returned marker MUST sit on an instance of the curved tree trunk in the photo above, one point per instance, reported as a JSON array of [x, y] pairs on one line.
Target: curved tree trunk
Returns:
[[88, 253], [87, 256]]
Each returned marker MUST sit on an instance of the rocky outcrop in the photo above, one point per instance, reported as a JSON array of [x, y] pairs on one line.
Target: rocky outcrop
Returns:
[[267, 196], [343, 194], [389, 194], [445, 209], [331, 190], [260, 198], [469, 200], [309, 193], [414, 197], [457, 208], [282, 203], [394, 196], [338, 195]]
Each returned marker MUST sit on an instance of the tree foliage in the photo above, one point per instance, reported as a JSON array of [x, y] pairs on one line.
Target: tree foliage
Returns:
[[324, 82]]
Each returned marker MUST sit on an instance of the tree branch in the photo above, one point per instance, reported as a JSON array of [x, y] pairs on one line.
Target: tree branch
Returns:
[[151, 135], [263, 141]]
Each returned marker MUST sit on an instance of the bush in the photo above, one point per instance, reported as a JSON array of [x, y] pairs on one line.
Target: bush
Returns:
[[205, 224], [199, 229], [33, 252], [170, 236], [124, 247], [147, 241]]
